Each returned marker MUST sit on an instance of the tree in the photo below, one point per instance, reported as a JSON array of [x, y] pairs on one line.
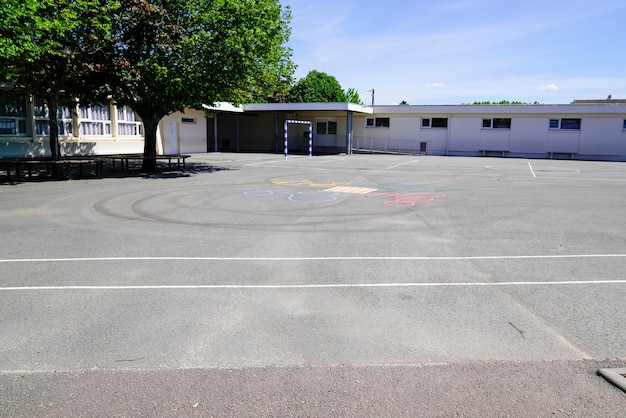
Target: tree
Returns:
[[169, 55], [48, 48], [502, 102], [352, 96], [317, 87]]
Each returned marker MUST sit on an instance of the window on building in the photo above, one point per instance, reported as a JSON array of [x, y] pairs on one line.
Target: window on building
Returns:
[[624, 125], [95, 120], [570, 124], [191, 121], [42, 118], [327, 127], [13, 114], [384, 122], [435, 123], [439, 123], [128, 125], [377, 122], [500, 123], [497, 123]]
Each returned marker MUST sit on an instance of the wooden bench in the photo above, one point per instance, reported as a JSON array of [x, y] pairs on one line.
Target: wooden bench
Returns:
[[561, 155], [170, 158], [493, 153], [19, 165]]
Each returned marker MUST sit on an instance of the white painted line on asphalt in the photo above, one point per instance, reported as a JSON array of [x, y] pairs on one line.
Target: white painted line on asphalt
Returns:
[[328, 161], [531, 169], [274, 161], [309, 286], [355, 258], [398, 165]]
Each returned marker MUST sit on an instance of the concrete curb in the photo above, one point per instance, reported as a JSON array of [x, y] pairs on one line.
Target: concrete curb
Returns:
[[615, 376]]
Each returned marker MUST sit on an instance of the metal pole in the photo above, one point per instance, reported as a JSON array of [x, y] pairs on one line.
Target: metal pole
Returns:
[[215, 131], [310, 139], [285, 138]]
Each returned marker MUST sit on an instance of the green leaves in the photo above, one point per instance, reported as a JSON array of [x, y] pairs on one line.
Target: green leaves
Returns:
[[317, 87], [156, 56], [208, 50]]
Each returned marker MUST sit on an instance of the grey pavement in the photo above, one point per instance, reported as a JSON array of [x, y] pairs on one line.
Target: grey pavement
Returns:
[[360, 285]]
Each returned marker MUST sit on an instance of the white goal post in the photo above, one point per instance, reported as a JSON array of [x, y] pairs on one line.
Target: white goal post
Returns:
[[299, 122]]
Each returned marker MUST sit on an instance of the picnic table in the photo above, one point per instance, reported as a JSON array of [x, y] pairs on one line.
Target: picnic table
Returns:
[[124, 159], [23, 166]]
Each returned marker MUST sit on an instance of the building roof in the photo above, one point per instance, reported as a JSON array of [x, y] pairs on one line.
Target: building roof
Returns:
[[302, 107], [223, 107]]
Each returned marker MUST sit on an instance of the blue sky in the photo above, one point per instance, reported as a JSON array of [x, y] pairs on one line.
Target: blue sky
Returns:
[[461, 51]]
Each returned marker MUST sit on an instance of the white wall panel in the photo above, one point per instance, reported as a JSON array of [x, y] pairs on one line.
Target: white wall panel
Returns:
[[529, 135], [601, 136]]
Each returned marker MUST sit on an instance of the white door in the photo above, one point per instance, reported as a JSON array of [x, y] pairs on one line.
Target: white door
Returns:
[[173, 139]]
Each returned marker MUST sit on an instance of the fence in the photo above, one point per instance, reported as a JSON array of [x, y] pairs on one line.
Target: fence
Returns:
[[391, 146]]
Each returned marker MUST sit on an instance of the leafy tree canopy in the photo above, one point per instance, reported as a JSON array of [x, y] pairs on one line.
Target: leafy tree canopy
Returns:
[[155, 56], [48, 47], [317, 87], [502, 102], [171, 54], [352, 96]]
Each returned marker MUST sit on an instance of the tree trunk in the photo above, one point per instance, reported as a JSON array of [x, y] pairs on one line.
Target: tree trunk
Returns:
[[55, 147], [150, 126]]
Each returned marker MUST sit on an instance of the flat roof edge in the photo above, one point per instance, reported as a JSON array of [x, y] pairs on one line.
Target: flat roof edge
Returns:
[[223, 107], [301, 107]]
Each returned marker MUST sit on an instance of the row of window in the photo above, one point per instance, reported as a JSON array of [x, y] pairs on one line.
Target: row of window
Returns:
[[565, 124], [91, 120], [380, 122], [324, 128], [488, 123]]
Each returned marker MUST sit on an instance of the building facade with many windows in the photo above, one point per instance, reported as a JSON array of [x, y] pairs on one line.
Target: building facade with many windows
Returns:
[[586, 129], [590, 130], [25, 130]]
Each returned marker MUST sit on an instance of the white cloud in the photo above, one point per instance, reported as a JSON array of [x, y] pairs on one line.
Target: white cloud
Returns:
[[552, 87], [435, 85]]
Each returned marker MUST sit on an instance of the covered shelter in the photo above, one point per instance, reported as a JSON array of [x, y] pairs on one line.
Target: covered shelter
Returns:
[[259, 127]]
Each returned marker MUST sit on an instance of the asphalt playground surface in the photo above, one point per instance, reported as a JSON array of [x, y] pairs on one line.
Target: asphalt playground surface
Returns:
[[349, 285]]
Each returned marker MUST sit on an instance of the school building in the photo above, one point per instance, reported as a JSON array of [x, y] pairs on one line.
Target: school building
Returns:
[[584, 129]]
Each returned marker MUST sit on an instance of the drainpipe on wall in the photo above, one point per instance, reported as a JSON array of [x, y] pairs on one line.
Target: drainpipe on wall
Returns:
[[349, 133], [579, 136], [237, 133], [215, 130], [275, 131], [448, 133]]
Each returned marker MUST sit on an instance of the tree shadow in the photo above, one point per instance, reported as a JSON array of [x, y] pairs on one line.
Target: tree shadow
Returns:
[[163, 170], [85, 167]]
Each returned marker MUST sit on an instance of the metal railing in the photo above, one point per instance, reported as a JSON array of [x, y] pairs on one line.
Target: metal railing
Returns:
[[389, 146]]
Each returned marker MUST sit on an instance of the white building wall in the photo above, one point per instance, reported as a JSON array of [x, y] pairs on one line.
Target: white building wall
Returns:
[[601, 136], [495, 140], [563, 141], [464, 134], [529, 135], [190, 132], [436, 138]]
